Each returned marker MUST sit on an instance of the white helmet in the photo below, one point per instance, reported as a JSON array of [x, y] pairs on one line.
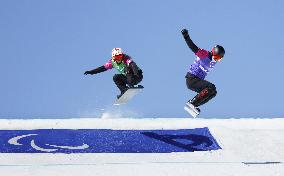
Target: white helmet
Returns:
[[116, 51]]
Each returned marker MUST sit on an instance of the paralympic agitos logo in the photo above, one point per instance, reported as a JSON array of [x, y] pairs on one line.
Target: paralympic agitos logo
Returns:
[[48, 148]]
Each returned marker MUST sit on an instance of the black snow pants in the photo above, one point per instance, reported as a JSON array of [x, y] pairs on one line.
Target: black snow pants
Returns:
[[206, 90], [123, 81]]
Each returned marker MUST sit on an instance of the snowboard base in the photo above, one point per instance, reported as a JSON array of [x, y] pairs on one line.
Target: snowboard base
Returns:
[[191, 110], [128, 95]]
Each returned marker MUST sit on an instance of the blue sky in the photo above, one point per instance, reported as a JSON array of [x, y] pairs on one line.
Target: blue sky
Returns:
[[45, 47]]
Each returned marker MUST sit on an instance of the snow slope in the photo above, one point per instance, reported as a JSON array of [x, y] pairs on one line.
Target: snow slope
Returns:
[[251, 147]]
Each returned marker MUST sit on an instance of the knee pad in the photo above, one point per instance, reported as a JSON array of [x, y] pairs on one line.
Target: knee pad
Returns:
[[209, 91], [212, 90]]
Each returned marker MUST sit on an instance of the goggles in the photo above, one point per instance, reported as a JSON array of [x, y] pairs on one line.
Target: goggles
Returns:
[[217, 58], [118, 57]]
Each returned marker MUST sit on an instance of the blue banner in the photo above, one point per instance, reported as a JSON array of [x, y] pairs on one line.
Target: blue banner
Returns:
[[106, 141]]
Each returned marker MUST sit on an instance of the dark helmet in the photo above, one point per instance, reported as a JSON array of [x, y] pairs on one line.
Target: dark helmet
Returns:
[[218, 51]]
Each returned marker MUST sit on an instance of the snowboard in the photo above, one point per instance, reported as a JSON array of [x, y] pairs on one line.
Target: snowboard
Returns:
[[191, 110], [128, 95]]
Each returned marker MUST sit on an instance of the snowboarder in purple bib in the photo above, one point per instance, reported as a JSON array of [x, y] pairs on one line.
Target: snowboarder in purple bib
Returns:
[[129, 73], [195, 77]]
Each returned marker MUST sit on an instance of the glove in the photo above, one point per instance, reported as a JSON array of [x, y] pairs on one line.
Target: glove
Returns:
[[185, 33], [87, 73]]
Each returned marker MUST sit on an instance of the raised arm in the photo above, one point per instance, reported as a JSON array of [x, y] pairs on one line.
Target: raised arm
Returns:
[[189, 42]]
